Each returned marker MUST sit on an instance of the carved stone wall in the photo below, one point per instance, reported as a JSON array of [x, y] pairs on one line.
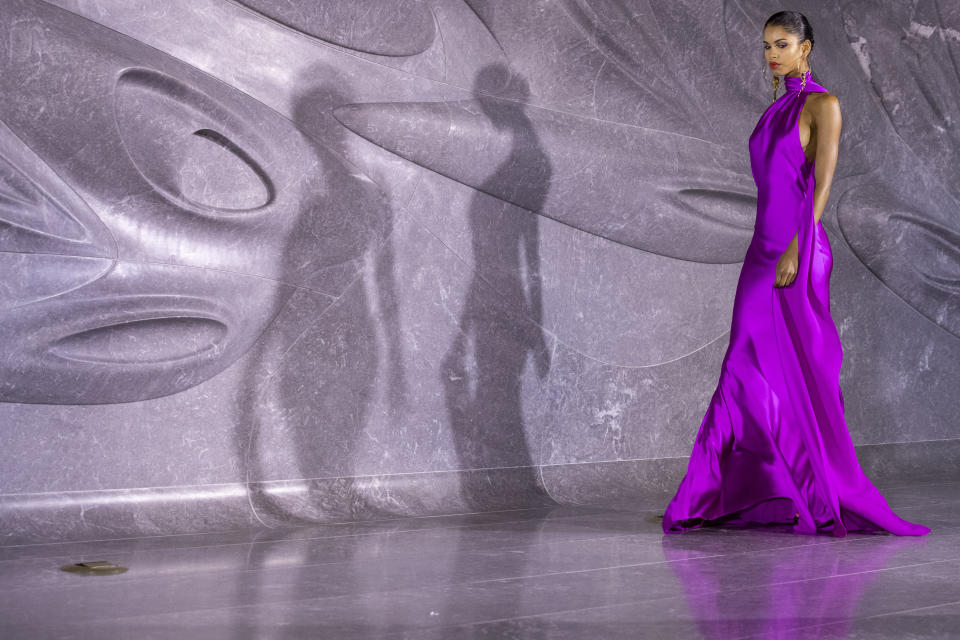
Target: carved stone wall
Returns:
[[271, 263]]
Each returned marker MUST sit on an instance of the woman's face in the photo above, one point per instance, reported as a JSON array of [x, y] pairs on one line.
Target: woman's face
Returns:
[[782, 50]]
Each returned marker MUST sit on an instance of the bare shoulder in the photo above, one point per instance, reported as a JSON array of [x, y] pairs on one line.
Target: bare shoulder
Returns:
[[823, 102], [825, 108]]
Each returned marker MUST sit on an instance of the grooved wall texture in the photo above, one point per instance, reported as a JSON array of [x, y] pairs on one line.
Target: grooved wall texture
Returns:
[[270, 262]]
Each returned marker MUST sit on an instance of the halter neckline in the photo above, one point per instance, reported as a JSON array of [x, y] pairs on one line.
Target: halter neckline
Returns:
[[792, 83]]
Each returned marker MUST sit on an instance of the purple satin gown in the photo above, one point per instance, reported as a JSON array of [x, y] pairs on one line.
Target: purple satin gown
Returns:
[[774, 441]]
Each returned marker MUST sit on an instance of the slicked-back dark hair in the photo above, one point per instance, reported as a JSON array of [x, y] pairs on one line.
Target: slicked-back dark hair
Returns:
[[794, 23]]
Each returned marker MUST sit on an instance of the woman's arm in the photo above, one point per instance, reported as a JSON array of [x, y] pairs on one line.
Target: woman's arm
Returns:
[[827, 120], [825, 112]]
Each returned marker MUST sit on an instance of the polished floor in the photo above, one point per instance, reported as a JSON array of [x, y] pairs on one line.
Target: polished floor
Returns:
[[567, 572]]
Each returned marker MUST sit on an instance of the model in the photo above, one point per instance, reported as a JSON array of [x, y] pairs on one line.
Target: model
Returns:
[[773, 447]]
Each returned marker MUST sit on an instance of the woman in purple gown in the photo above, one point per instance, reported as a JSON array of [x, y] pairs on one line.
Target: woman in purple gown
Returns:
[[773, 447]]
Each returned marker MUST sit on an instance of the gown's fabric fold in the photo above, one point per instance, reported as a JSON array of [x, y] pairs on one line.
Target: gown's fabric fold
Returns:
[[773, 446]]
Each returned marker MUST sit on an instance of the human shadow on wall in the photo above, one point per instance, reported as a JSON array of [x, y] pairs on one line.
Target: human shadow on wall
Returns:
[[482, 370], [311, 378]]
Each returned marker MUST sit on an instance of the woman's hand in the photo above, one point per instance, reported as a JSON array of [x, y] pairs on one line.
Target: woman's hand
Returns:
[[787, 265]]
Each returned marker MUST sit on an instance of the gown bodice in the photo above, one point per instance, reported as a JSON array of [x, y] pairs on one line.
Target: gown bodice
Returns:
[[780, 168]]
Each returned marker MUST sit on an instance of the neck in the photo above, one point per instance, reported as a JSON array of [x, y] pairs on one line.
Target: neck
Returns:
[[793, 83]]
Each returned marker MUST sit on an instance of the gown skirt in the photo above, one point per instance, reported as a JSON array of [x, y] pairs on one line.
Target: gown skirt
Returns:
[[773, 447]]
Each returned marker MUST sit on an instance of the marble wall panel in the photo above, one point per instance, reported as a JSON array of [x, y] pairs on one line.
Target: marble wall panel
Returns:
[[294, 262]]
